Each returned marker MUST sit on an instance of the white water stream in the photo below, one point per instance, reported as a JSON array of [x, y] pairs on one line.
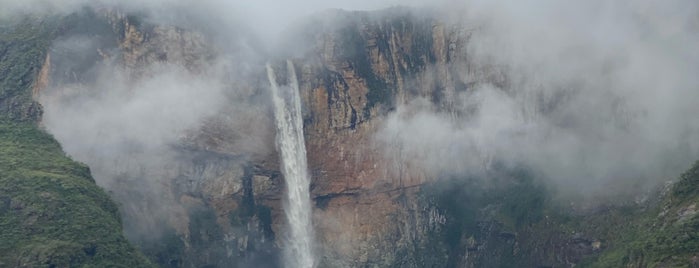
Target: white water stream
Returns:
[[298, 247]]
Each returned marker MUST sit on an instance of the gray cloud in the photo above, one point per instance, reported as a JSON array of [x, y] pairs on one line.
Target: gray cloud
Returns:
[[598, 92], [267, 17], [600, 96], [150, 113]]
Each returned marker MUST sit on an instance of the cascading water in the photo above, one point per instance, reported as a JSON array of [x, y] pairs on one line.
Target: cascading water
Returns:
[[290, 141]]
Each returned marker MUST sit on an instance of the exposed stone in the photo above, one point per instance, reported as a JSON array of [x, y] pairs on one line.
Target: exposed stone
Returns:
[[597, 245], [261, 184], [686, 213], [42, 79], [369, 209]]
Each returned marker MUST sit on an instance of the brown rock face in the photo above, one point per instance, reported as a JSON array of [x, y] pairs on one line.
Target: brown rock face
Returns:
[[210, 194], [142, 44], [42, 79], [367, 203], [215, 192]]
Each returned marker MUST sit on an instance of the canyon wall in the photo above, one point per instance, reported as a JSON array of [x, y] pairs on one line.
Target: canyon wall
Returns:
[[209, 192], [214, 192]]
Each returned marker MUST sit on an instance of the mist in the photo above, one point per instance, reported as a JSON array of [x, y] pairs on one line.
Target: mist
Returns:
[[266, 18], [148, 123], [598, 96]]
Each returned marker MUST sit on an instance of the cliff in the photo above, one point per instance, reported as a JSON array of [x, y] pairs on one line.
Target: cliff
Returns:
[[361, 66], [211, 194]]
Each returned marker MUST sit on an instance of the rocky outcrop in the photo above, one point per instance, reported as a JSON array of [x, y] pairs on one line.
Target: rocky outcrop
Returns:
[[217, 191], [22, 62], [212, 197], [369, 211], [142, 44], [207, 198]]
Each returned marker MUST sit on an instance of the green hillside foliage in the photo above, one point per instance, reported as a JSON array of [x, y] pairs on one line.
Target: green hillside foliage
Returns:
[[23, 46], [512, 221], [52, 214], [666, 236]]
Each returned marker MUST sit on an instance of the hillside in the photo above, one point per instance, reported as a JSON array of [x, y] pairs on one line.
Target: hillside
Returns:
[[52, 214]]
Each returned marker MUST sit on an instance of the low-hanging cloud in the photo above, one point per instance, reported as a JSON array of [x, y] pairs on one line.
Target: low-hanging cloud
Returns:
[[149, 113], [267, 18], [599, 96], [133, 127]]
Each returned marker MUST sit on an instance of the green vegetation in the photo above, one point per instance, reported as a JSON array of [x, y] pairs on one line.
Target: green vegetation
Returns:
[[666, 236], [51, 211], [23, 47], [687, 189], [166, 251], [52, 214], [490, 211], [520, 225], [516, 199]]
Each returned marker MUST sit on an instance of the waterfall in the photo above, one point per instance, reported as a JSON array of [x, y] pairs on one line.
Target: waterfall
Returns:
[[298, 247]]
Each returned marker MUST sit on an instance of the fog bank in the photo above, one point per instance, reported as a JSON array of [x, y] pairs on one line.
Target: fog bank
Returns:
[[599, 96]]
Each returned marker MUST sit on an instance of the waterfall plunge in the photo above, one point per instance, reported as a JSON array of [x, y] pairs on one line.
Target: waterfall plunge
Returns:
[[298, 247]]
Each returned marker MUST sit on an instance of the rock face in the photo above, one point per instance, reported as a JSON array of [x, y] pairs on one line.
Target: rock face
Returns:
[[205, 198], [217, 191], [213, 196], [368, 210]]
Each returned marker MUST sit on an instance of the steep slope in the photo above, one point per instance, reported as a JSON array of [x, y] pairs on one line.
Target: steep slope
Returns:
[[361, 65], [52, 214]]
